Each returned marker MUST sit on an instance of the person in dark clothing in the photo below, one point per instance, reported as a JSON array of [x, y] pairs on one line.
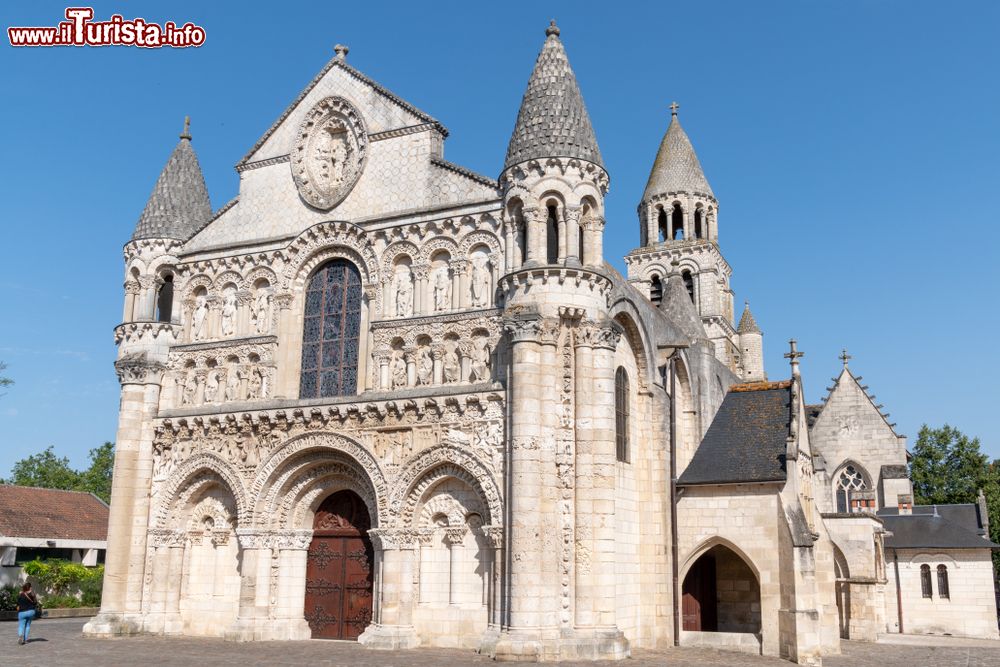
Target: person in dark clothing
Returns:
[[26, 604]]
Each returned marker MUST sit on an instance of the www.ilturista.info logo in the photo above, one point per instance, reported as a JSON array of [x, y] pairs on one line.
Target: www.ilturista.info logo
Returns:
[[81, 30]]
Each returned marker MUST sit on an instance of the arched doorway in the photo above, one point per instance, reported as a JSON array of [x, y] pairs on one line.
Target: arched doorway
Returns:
[[339, 569], [721, 594]]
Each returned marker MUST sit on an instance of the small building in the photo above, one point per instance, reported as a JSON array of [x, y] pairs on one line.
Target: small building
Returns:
[[49, 523]]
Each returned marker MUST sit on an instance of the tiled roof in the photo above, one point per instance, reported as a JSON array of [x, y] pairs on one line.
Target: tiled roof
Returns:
[[747, 440], [179, 205], [747, 323], [553, 120], [676, 168], [26, 511], [936, 527]]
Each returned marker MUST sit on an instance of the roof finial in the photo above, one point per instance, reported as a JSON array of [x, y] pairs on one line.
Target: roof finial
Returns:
[[553, 29], [794, 355], [844, 357], [673, 108], [186, 134], [341, 51]]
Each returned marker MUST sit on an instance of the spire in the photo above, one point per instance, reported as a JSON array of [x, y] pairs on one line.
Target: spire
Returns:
[[553, 120], [676, 168], [179, 204], [747, 323]]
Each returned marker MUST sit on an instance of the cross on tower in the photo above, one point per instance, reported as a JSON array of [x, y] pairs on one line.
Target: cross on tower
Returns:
[[844, 357], [673, 108], [186, 134], [794, 355]]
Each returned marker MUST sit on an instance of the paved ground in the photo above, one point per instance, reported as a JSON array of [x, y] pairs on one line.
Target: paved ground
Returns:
[[57, 642]]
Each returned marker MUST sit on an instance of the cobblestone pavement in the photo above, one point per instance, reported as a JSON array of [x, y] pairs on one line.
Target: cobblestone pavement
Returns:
[[59, 642]]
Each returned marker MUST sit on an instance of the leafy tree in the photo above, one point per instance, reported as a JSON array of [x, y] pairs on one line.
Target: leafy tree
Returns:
[[4, 380], [947, 467], [49, 471]]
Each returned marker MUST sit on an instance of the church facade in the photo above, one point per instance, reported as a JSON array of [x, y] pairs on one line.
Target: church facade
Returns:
[[377, 396]]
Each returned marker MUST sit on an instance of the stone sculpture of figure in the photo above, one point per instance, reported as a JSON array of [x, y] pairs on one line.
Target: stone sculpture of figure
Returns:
[[398, 368], [404, 294], [260, 310], [480, 282], [442, 289], [330, 153], [253, 386], [232, 384], [229, 314], [425, 366], [200, 315], [211, 386], [190, 387], [452, 365], [480, 371]]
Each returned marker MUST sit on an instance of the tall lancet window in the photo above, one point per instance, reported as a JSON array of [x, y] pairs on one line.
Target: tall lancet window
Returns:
[[621, 414], [552, 235], [331, 331], [850, 479], [925, 581], [942, 572]]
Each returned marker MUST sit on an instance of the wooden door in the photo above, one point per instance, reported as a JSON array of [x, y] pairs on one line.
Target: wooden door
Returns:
[[698, 601], [339, 578]]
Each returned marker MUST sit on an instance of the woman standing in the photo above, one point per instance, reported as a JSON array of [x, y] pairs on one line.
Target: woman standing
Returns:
[[26, 605]]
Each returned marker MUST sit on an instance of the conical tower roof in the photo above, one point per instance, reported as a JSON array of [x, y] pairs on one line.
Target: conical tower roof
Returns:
[[553, 120], [676, 168], [747, 323], [676, 303], [179, 205]]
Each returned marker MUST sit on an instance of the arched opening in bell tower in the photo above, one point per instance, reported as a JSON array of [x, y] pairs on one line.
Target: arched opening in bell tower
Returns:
[[552, 234], [677, 221]]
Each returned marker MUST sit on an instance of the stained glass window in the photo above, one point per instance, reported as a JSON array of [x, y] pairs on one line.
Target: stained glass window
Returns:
[[851, 479], [330, 331]]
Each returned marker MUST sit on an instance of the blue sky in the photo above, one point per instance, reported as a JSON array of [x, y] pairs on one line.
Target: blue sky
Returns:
[[853, 146]]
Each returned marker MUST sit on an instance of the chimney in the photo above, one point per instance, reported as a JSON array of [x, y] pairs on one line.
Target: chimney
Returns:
[[863, 501], [905, 503]]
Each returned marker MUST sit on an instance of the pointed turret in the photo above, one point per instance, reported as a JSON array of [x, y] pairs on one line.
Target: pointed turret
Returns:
[[676, 168], [751, 346], [179, 204], [553, 120]]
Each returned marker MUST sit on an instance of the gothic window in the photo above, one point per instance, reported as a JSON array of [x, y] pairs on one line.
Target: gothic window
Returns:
[[942, 572], [331, 330], [552, 235], [850, 479], [165, 299], [655, 290], [925, 581], [678, 222], [621, 414], [688, 284]]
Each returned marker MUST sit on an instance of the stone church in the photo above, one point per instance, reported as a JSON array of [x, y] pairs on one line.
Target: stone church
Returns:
[[378, 396]]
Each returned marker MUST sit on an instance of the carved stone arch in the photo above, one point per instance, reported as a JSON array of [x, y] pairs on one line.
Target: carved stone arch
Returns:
[[306, 482], [430, 247], [432, 466], [688, 264], [717, 541], [222, 516], [625, 313], [201, 469], [161, 262], [269, 472], [587, 193], [227, 277], [259, 272], [325, 241], [194, 282], [442, 505], [657, 269], [480, 237], [394, 251]]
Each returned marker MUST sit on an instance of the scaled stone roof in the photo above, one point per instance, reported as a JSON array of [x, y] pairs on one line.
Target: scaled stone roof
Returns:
[[27, 511], [553, 120], [676, 304], [179, 205], [956, 526], [676, 168], [747, 323], [747, 441]]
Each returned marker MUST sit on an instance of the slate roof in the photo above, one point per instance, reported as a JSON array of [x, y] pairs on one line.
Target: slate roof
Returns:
[[553, 120], [812, 413], [179, 205], [676, 167], [936, 527], [27, 511], [747, 323], [747, 440]]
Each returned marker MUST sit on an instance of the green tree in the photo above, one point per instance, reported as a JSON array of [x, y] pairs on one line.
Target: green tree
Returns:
[[4, 380], [947, 467], [45, 470], [97, 478]]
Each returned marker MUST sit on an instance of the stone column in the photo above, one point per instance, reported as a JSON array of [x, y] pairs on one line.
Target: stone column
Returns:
[[423, 301], [172, 623], [244, 298], [669, 212], [454, 538], [132, 291], [562, 245], [437, 352], [252, 622], [288, 620], [573, 235], [510, 233], [534, 235], [392, 628], [410, 356], [548, 505], [583, 528], [494, 601], [652, 226], [381, 357], [121, 602], [461, 297]]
